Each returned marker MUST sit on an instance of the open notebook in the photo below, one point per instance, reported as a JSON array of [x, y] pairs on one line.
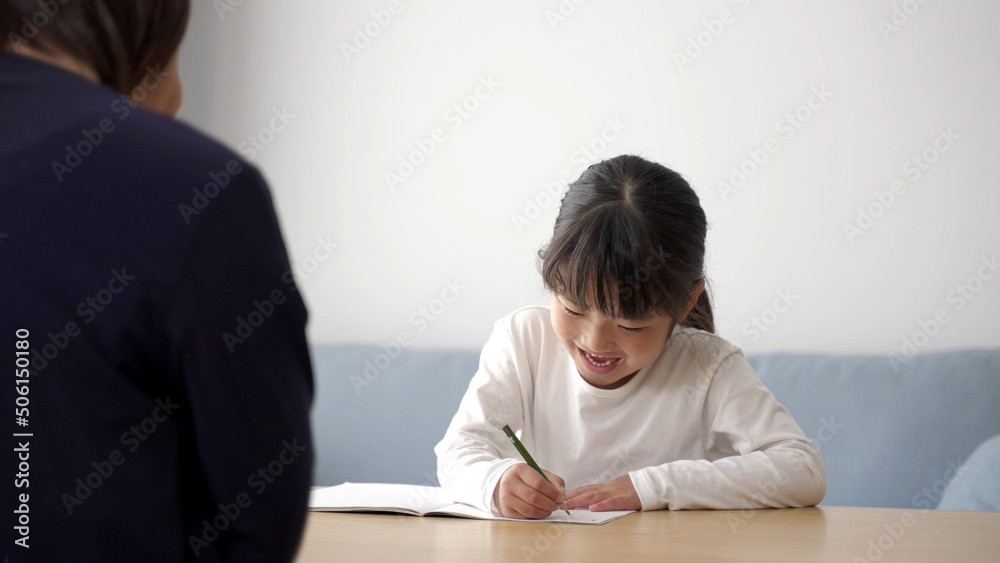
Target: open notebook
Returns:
[[416, 500]]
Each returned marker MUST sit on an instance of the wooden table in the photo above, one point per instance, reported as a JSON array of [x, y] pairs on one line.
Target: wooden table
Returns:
[[841, 534]]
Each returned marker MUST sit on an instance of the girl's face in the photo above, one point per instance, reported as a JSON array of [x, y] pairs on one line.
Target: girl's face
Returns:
[[608, 351]]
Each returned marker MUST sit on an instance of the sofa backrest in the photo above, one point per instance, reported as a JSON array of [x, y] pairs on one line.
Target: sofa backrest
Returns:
[[377, 418], [899, 435], [888, 439]]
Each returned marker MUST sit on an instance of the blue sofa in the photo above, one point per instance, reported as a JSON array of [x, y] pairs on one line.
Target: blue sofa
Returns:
[[889, 438]]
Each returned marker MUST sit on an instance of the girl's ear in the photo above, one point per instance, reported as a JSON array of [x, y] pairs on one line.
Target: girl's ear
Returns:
[[696, 290]]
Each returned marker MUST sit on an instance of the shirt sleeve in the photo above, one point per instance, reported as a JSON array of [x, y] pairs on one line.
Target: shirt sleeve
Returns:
[[766, 460], [475, 452], [239, 357]]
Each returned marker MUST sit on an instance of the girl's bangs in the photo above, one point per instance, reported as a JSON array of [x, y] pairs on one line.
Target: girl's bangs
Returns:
[[609, 263]]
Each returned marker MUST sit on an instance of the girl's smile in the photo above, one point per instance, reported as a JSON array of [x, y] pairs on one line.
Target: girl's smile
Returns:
[[600, 365], [608, 352]]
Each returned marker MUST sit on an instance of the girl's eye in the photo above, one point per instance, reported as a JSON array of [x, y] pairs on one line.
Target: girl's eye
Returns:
[[571, 312], [632, 330]]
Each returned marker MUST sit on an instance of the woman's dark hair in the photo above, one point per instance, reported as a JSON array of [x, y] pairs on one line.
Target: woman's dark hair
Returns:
[[632, 232], [120, 38]]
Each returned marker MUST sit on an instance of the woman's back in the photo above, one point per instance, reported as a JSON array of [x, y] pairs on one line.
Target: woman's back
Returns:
[[168, 361]]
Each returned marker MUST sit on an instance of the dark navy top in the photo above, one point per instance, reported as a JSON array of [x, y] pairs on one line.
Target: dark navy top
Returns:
[[144, 282]]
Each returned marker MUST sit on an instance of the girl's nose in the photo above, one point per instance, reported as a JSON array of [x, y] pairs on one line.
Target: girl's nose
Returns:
[[597, 338]]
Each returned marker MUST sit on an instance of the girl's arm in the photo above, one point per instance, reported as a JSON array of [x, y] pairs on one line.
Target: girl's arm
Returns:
[[768, 462], [474, 452]]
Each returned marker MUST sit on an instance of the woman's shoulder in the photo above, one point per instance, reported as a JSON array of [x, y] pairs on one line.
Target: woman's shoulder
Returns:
[[174, 142], [176, 162]]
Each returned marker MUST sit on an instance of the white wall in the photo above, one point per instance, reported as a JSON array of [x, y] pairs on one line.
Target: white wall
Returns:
[[558, 86]]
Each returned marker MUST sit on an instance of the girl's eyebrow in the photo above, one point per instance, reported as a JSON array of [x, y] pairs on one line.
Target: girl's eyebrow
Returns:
[[647, 318], [564, 300]]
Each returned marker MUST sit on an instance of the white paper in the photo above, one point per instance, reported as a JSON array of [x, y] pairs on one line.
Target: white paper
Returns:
[[418, 500]]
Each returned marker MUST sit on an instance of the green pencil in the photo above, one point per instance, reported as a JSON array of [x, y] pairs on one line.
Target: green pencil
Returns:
[[527, 459]]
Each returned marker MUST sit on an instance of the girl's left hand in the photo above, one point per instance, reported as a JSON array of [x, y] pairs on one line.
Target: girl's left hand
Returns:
[[616, 494]]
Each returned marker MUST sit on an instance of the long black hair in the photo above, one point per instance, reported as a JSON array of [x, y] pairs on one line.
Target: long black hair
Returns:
[[120, 38], [632, 232]]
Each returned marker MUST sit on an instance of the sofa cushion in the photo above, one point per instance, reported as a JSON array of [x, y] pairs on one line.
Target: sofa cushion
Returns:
[[976, 484], [888, 438], [377, 418]]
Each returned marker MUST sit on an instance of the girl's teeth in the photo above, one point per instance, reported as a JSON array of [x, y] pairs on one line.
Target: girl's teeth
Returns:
[[593, 360]]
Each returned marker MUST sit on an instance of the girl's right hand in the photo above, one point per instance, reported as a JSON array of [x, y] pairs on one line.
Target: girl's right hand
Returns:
[[523, 493]]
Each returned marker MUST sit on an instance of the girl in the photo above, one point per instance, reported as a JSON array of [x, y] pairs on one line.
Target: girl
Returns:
[[620, 386]]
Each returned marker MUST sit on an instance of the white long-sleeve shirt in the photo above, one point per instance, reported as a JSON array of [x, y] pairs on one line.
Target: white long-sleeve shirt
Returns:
[[694, 429]]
